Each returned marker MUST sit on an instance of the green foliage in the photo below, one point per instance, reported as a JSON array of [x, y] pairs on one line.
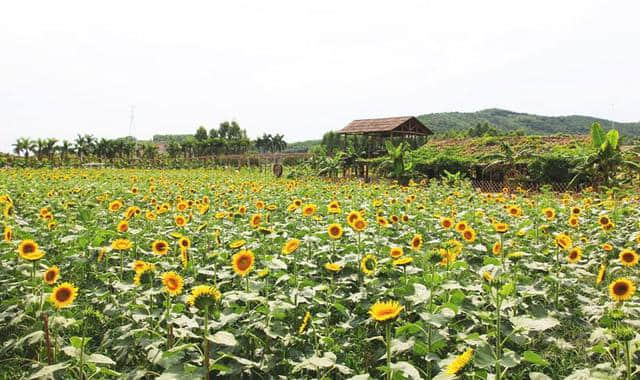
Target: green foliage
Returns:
[[513, 122]]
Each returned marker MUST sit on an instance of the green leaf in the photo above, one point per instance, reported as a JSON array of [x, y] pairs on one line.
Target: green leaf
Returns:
[[224, 338], [612, 138], [76, 341], [483, 357], [100, 359], [507, 289], [48, 370], [510, 359], [532, 357], [409, 371], [538, 376], [597, 135], [534, 324]]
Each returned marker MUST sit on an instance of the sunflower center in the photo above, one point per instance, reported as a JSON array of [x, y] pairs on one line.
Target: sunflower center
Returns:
[[29, 248], [620, 288], [172, 283], [50, 275], [335, 231], [244, 263], [63, 294], [627, 257]]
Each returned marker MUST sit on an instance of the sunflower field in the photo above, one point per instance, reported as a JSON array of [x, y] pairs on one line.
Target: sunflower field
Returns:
[[186, 274]]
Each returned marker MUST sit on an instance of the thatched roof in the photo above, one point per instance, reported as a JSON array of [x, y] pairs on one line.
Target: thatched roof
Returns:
[[403, 125]]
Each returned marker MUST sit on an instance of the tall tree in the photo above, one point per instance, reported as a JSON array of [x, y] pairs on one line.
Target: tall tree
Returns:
[[201, 134], [64, 149]]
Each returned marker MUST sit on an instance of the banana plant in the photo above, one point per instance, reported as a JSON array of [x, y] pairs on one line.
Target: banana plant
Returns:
[[603, 164], [394, 163]]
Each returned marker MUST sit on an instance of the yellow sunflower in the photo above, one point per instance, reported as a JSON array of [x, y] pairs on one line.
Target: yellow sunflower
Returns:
[[352, 217], [383, 311], [255, 220], [628, 258], [290, 246], [7, 234], [184, 242], [369, 264], [514, 210], [180, 220], [469, 235], [446, 223], [501, 227], [604, 220], [459, 362], [173, 283], [121, 244], [237, 244], [333, 267], [396, 252], [402, 261], [63, 295], [607, 247], [203, 296], [497, 248], [28, 250], [51, 275], [573, 221], [359, 224], [575, 254], [309, 209], [601, 273], [461, 226], [115, 206], [416, 242], [549, 213], [305, 322], [335, 231], [123, 226], [564, 241], [160, 247], [621, 289], [144, 274], [242, 262]]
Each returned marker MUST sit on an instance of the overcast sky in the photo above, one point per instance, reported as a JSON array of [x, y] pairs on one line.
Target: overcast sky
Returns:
[[302, 68]]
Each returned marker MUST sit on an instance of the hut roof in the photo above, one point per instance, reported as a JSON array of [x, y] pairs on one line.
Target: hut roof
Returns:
[[402, 125]]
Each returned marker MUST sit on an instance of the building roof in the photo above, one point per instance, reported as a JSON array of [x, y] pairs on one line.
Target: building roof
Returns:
[[402, 125]]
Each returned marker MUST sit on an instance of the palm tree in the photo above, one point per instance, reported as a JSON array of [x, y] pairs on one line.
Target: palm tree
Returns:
[[84, 145], [24, 145], [41, 146], [277, 143], [50, 147], [65, 149]]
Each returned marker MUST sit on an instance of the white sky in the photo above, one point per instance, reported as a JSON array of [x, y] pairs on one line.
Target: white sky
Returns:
[[302, 68]]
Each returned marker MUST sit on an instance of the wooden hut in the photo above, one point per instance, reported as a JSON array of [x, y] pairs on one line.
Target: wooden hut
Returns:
[[402, 127]]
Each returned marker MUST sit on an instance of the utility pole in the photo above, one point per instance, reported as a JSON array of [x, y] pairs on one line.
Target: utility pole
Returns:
[[131, 121]]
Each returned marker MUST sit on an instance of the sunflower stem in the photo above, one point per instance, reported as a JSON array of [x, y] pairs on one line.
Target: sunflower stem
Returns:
[[388, 341], [206, 343], [557, 278], [82, 350], [498, 339], [628, 358]]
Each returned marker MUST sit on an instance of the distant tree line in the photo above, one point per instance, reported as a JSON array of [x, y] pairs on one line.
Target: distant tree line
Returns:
[[228, 138]]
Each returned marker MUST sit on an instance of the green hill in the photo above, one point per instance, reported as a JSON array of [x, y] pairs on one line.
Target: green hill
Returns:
[[530, 124]]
